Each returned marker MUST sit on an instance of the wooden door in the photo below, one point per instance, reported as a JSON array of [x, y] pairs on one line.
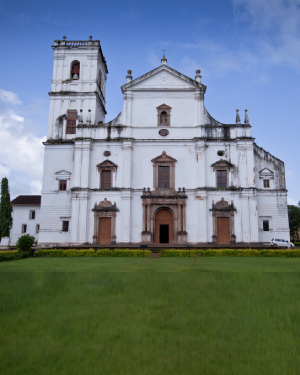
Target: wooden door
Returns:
[[104, 230], [163, 217], [223, 230]]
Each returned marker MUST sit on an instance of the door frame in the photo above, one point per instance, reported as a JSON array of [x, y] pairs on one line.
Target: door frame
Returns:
[[174, 224]]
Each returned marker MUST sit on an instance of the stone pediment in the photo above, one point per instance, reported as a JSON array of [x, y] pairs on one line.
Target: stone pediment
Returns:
[[164, 106], [105, 206], [63, 175], [163, 77], [164, 158], [266, 173], [106, 164], [222, 205], [222, 164]]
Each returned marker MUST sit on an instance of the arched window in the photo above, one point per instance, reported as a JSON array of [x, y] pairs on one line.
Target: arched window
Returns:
[[163, 118], [75, 70]]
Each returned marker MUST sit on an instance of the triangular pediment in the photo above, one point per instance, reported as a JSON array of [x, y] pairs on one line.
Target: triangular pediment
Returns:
[[163, 77], [164, 106], [266, 172], [222, 163], [107, 163], [163, 158]]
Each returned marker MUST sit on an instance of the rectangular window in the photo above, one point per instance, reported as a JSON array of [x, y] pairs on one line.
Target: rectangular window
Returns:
[[32, 215], [266, 183], [62, 185], [163, 177], [222, 179], [105, 179], [37, 228], [65, 226], [71, 122], [24, 228], [266, 225]]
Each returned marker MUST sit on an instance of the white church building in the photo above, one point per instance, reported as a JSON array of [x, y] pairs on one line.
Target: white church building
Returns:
[[164, 171]]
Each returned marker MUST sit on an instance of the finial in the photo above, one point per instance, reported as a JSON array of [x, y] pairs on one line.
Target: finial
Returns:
[[64, 37], [246, 117], [164, 60], [90, 37], [238, 120], [129, 76], [198, 77]]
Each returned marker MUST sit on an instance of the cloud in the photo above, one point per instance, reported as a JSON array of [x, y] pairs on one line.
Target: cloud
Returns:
[[131, 14], [277, 22], [153, 59], [36, 187], [10, 97], [292, 202], [21, 152]]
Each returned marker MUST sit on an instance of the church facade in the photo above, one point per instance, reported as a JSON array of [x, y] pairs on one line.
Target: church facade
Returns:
[[164, 171]]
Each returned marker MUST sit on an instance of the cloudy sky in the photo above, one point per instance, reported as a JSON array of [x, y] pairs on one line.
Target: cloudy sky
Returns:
[[248, 52]]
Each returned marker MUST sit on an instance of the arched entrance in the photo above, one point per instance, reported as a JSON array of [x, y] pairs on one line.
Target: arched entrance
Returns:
[[163, 226]]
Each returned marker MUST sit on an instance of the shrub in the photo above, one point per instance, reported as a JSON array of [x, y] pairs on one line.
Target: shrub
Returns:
[[296, 243], [10, 255], [122, 253], [232, 252], [25, 243], [65, 253]]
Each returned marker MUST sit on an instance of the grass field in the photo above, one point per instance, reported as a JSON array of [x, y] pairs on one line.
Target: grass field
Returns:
[[239, 316]]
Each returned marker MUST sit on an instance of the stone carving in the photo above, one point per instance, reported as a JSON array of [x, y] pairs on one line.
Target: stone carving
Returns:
[[105, 206], [223, 205], [88, 118], [238, 119], [164, 80], [80, 118], [246, 117]]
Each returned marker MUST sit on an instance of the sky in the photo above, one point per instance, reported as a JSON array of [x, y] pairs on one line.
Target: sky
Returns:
[[248, 52]]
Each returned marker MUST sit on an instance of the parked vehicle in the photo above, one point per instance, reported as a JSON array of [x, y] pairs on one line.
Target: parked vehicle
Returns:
[[276, 242]]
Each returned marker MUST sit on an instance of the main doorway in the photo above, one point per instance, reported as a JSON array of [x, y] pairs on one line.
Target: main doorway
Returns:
[[104, 230], [164, 226], [223, 230]]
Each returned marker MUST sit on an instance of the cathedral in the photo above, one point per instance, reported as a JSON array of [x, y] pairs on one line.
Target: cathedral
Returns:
[[163, 172]]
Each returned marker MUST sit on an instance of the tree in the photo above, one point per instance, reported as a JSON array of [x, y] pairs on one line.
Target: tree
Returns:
[[5, 209], [294, 219]]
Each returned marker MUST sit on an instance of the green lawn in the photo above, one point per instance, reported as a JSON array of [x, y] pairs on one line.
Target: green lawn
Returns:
[[98, 321]]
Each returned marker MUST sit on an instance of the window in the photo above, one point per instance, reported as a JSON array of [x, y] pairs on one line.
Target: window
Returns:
[[62, 185], [37, 228], [75, 71], [266, 225], [71, 122], [222, 179], [24, 228], [266, 183], [65, 226], [32, 215], [105, 179], [164, 177]]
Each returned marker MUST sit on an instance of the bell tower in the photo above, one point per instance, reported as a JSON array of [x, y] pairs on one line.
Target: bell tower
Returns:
[[77, 87]]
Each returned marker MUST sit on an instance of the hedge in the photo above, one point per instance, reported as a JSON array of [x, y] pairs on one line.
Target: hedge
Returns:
[[231, 252], [65, 253], [92, 253], [10, 255], [297, 243]]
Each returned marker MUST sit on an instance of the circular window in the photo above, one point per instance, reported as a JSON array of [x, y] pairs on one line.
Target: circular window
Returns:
[[106, 153], [220, 153], [163, 132]]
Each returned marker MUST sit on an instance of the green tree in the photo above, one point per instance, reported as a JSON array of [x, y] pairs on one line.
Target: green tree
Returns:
[[294, 219], [5, 209]]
